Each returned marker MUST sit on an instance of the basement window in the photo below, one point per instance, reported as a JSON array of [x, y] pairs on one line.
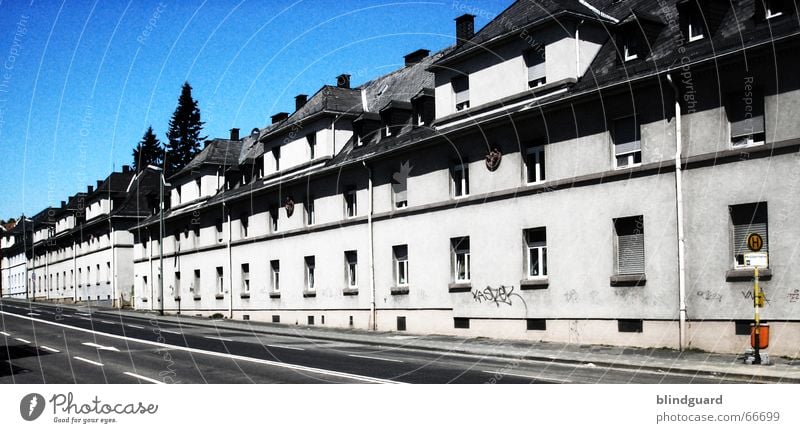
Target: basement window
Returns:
[[536, 324], [460, 323], [401, 323], [630, 325], [742, 327]]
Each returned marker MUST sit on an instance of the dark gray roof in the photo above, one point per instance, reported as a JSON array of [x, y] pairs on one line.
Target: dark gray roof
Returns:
[[218, 152]]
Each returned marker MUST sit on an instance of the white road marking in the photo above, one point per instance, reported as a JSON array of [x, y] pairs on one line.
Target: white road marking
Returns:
[[210, 352], [50, 349], [5, 333], [376, 358], [136, 326], [66, 315], [83, 314], [278, 346], [140, 377], [88, 360], [109, 348], [33, 314], [548, 379], [172, 332], [23, 340], [219, 338], [110, 323]]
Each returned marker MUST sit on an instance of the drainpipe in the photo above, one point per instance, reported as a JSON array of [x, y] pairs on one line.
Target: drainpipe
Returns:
[[578, 50], [679, 205], [372, 310], [230, 262], [113, 276], [74, 270]]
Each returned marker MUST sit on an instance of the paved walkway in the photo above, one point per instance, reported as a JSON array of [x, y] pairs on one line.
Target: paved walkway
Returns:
[[690, 362]]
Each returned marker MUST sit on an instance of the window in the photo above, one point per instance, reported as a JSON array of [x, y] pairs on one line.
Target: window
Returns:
[[198, 183], [627, 142], [536, 252], [629, 325], [220, 280], [351, 269], [350, 197], [144, 283], [245, 222], [534, 164], [460, 259], [400, 253], [275, 275], [276, 155], [108, 272], [273, 219], [773, 8], [80, 277], [312, 145], [310, 216], [535, 61], [310, 268], [697, 27], [630, 46], [245, 278], [745, 111], [536, 324], [629, 257], [196, 282], [97, 275], [460, 323], [400, 192], [218, 226], [177, 283], [460, 180], [178, 193], [461, 91], [746, 219]]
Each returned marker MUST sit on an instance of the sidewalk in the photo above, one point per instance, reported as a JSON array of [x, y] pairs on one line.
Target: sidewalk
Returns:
[[731, 366]]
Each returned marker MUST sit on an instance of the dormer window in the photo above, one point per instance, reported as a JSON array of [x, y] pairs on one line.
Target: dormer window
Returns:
[[461, 91], [697, 27], [773, 8], [630, 47], [535, 62]]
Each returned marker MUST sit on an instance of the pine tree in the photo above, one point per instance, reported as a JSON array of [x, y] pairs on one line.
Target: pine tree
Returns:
[[148, 152], [184, 140]]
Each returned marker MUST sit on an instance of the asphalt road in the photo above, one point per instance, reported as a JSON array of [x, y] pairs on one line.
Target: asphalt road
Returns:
[[65, 344]]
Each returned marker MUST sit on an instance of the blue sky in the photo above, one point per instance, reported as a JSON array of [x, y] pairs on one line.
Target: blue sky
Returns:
[[80, 81]]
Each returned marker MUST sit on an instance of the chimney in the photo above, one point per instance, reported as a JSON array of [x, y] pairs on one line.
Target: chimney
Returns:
[[299, 101], [89, 189], [343, 81], [279, 117], [465, 28], [126, 168], [234, 134], [99, 182], [416, 56], [63, 204]]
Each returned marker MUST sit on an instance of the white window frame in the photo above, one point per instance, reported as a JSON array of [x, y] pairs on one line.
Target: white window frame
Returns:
[[631, 155], [695, 15], [220, 280], [731, 229], [400, 267], [627, 55], [460, 256], [275, 276], [310, 273], [245, 277], [541, 250], [464, 169], [351, 269], [539, 174], [768, 13]]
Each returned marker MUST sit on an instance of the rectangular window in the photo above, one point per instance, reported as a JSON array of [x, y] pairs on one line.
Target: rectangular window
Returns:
[[310, 216], [273, 219], [245, 278], [351, 269], [312, 145], [196, 282], [627, 142], [629, 245], [400, 192], [310, 273], [461, 91], [460, 259], [275, 275], [218, 226], [350, 204], [97, 275], [400, 258], [108, 272], [534, 164], [460, 323], [460, 180], [244, 220], [745, 112], [630, 325], [536, 324], [177, 283], [144, 283], [746, 219], [220, 280], [536, 251], [198, 184], [535, 62], [276, 156]]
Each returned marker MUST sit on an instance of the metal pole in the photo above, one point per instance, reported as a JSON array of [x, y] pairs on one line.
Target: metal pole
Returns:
[[161, 248]]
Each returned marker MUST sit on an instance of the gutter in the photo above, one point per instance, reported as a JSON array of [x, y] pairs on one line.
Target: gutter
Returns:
[[679, 210]]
